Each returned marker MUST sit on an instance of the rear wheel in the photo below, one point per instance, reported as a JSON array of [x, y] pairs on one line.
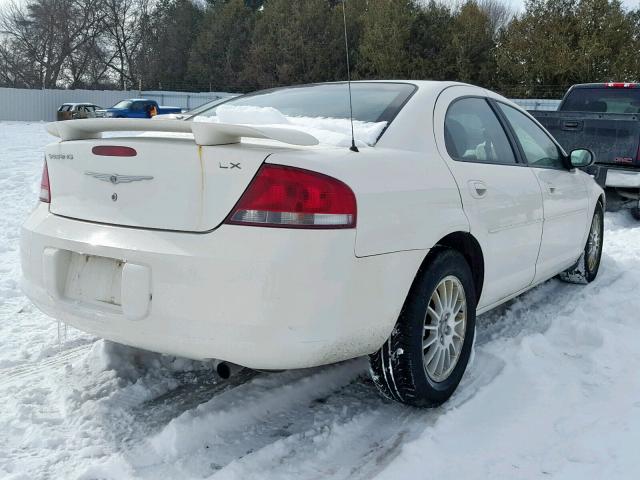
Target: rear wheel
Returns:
[[586, 269], [423, 360]]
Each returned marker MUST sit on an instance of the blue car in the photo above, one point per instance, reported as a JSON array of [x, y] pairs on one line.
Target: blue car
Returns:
[[137, 108]]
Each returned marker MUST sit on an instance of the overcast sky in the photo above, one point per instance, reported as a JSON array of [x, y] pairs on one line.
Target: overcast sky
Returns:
[[516, 4]]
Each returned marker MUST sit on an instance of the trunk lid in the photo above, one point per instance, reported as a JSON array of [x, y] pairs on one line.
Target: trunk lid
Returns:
[[171, 183]]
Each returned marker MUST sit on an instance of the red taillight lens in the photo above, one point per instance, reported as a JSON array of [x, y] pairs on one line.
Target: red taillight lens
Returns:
[[621, 85], [281, 196], [45, 187], [114, 151]]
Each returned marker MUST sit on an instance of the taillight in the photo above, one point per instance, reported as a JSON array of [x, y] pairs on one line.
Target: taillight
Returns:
[[281, 196], [621, 85], [45, 187]]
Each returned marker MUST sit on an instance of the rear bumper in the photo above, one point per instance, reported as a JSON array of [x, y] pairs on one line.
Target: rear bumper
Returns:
[[259, 297]]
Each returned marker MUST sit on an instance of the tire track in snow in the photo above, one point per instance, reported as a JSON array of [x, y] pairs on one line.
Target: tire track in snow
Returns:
[[53, 362], [358, 437], [329, 409]]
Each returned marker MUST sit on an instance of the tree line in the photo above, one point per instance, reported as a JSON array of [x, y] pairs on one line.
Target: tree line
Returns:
[[244, 45]]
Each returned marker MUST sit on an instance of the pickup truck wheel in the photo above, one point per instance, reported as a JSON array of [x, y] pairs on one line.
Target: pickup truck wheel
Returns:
[[423, 361], [586, 269]]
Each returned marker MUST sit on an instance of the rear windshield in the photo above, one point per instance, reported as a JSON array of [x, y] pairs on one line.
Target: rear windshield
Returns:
[[322, 109], [65, 108], [603, 100]]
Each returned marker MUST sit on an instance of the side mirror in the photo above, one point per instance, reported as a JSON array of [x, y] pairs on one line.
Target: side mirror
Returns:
[[581, 158]]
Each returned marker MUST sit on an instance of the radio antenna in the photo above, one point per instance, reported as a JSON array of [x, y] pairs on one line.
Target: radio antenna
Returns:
[[353, 147]]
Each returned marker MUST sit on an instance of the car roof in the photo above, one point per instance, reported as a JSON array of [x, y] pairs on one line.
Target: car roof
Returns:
[[76, 103]]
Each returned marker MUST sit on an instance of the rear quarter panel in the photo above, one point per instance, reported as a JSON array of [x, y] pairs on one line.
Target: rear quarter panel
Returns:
[[406, 200]]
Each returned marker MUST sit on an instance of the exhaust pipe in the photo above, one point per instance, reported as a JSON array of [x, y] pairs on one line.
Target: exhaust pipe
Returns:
[[225, 369]]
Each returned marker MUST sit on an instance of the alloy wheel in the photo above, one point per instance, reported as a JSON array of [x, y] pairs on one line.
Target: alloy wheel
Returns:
[[594, 242], [444, 328]]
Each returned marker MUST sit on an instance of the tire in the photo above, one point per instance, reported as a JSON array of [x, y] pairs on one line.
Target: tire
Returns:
[[400, 369], [635, 211], [586, 268]]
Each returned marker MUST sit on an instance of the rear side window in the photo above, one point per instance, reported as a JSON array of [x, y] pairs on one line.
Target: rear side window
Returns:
[[473, 133], [538, 148], [603, 100]]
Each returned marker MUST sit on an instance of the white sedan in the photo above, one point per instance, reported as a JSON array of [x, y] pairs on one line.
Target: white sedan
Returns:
[[252, 234]]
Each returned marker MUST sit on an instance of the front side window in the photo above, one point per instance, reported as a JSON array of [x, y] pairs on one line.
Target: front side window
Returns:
[[123, 104], [473, 133], [538, 148]]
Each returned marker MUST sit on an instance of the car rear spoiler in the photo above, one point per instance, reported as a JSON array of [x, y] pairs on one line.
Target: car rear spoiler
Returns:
[[204, 133]]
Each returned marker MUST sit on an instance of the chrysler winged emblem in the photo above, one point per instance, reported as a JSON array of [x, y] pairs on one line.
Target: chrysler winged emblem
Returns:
[[115, 178]]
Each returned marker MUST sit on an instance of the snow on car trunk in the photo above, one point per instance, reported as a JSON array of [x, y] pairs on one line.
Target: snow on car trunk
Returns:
[[153, 182], [329, 131]]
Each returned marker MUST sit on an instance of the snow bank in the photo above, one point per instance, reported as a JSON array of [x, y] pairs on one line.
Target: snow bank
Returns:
[[328, 131]]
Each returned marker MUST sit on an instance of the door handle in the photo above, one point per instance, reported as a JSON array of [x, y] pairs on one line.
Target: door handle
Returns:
[[478, 189], [572, 125]]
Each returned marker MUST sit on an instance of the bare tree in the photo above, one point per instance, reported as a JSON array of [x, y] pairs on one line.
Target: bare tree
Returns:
[[500, 14], [124, 25], [48, 32], [15, 69]]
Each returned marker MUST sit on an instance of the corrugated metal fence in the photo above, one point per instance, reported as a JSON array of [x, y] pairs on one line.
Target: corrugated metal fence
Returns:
[[533, 104], [36, 105]]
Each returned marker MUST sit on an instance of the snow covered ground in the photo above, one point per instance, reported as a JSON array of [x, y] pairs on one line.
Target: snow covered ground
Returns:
[[553, 392]]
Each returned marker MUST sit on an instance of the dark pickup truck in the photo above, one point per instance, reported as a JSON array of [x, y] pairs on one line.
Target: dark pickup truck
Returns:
[[605, 118]]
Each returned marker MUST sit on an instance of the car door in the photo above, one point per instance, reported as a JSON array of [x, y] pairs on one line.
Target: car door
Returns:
[[137, 110], [500, 196], [566, 205]]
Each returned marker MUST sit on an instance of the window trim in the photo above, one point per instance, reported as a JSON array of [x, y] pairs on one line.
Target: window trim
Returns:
[[516, 152], [563, 154]]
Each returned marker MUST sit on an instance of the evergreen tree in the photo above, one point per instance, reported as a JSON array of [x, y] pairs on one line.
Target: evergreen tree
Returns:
[[296, 42], [169, 34], [385, 45], [556, 43], [472, 45], [220, 53], [430, 43]]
